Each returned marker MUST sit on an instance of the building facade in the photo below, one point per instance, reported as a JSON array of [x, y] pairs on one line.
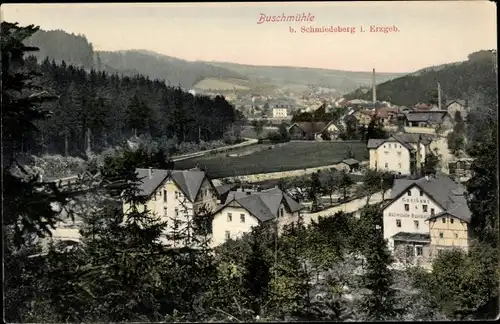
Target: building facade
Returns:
[[175, 196], [401, 153], [457, 105], [280, 112], [426, 216], [244, 210]]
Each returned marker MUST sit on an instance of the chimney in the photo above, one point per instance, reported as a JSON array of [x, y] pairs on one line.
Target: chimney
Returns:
[[374, 89], [150, 172], [427, 177], [439, 96]]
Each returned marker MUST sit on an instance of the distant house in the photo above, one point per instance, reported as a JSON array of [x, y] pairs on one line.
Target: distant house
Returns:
[[401, 153], [244, 210], [316, 106], [312, 130], [363, 117], [429, 118], [385, 115], [453, 106], [350, 165], [280, 112]]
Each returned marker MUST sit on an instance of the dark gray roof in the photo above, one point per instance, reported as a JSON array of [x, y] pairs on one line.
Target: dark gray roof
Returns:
[[411, 237], [189, 181], [404, 139], [375, 142], [446, 192], [432, 116], [225, 188], [350, 161], [264, 204]]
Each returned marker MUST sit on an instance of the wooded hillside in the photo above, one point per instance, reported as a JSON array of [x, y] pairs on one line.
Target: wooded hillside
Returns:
[[458, 81], [112, 108]]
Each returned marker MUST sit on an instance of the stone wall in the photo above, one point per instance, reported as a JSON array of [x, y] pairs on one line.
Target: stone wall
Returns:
[[287, 174]]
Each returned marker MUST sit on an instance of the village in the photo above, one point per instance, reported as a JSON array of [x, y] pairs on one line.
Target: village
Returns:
[[417, 229]]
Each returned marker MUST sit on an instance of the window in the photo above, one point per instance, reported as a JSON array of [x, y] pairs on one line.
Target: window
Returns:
[[228, 235], [407, 207], [242, 218], [282, 211], [440, 251], [384, 146], [389, 145], [441, 235], [456, 235], [451, 220], [420, 250], [432, 211], [444, 220], [398, 222], [176, 212], [176, 194], [387, 165], [165, 211], [416, 224], [399, 165], [424, 208], [409, 192], [164, 196], [399, 153], [229, 217], [421, 193]]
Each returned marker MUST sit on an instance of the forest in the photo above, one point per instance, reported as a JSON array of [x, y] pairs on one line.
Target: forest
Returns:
[[336, 269], [95, 110], [458, 81]]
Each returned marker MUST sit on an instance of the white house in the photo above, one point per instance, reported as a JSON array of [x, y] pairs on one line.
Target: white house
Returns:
[[176, 196], [410, 216], [280, 112], [243, 210], [401, 153], [453, 106]]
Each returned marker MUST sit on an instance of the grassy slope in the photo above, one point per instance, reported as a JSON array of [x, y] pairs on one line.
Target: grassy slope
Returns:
[[290, 156], [341, 80]]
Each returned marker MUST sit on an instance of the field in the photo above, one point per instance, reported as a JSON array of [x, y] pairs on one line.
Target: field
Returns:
[[288, 156], [218, 84], [249, 132]]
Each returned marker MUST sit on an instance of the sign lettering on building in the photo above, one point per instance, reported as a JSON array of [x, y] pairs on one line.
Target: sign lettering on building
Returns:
[[415, 200], [410, 215]]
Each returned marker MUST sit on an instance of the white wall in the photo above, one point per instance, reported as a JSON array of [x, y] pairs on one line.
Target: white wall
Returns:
[[396, 211], [220, 224], [280, 112], [392, 156]]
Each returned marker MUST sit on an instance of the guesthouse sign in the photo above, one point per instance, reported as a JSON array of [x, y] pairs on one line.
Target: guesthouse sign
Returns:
[[407, 215]]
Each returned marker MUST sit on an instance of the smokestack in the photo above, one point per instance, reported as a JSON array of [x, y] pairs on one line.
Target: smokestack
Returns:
[[150, 172], [374, 89], [439, 96]]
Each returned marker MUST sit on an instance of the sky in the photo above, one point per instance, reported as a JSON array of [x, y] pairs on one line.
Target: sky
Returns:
[[428, 32]]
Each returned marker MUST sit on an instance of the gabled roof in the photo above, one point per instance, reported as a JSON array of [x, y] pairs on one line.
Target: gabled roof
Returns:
[[310, 127], [433, 116], [449, 194], [458, 101], [189, 181], [263, 205], [225, 188], [405, 139], [350, 161]]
